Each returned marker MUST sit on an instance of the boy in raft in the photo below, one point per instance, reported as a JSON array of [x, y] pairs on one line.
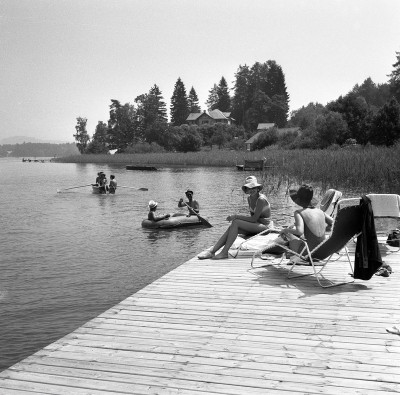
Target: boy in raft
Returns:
[[151, 216], [191, 203], [113, 184]]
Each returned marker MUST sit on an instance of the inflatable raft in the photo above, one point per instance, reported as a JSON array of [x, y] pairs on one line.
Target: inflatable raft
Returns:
[[172, 222]]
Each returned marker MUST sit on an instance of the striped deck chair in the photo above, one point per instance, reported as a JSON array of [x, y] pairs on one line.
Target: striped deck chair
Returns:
[[347, 225], [329, 202]]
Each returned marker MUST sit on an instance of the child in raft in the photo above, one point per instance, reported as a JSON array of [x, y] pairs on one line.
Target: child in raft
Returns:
[[151, 216]]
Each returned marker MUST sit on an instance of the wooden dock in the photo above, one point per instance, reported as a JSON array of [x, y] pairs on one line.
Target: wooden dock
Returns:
[[214, 327]]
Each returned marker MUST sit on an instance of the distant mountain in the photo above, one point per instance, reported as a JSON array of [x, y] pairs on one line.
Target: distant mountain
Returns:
[[26, 139]]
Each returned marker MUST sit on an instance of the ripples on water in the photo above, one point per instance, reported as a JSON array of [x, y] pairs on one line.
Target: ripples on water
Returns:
[[67, 257]]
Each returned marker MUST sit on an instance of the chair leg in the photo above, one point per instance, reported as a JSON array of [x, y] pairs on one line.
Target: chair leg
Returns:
[[318, 275], [265, 264]]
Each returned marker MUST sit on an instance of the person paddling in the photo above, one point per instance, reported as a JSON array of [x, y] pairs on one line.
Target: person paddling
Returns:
[[191, 203]]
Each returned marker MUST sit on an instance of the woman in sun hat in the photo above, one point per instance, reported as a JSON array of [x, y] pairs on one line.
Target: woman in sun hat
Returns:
[[256, 222], [152, 213], [310, 222]]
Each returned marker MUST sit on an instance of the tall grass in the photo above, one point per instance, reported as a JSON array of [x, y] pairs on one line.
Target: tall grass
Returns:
[[370, 169]]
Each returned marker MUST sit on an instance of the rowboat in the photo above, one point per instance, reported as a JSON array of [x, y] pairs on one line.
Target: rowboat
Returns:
[[137, 167], [172, 222], [97, 190]]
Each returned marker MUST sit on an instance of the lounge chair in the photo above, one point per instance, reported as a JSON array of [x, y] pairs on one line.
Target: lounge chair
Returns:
[[347, 225]]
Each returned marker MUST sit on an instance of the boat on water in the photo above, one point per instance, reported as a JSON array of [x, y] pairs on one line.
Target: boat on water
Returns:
[[97, 189], [141, 167], [172, 222]]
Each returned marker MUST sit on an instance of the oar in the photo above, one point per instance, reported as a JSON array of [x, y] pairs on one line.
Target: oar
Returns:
[[202, 220], [80, 186], [138, 189]]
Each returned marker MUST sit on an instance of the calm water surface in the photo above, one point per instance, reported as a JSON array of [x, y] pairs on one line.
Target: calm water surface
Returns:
[[67, 257]]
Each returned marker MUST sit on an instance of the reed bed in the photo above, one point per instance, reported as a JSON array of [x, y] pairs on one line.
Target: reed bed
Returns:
[[365, 170]]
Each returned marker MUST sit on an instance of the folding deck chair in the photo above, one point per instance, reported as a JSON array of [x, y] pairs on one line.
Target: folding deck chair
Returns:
[[347, 225], [329, 202]]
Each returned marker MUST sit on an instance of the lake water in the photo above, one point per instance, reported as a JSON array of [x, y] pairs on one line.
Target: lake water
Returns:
[[67, 257]]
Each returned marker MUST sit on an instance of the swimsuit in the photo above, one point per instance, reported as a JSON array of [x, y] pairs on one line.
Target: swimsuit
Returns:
[[313, 239], [264, 217]]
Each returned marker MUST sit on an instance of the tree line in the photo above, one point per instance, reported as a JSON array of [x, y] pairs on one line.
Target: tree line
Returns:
[[368, 114], [259, 95], [39, 150]]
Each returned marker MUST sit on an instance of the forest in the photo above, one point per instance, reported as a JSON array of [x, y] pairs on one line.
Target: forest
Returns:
[[369, 114]]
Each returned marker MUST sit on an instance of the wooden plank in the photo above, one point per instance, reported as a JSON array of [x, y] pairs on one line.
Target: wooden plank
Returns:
[[214, 327]]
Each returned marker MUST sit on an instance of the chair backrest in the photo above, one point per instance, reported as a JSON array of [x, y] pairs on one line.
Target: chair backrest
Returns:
[[329, 202], [348, 223]]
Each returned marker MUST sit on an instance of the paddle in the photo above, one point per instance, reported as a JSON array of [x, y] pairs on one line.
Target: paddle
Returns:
[[138, 189], [202, 220], [80, 186]]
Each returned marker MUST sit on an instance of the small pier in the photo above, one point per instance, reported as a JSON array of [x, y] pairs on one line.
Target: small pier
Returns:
[[214, 327]]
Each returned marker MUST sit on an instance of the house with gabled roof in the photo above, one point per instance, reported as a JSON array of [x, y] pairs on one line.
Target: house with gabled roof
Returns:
[[263, 127], [213, 116]]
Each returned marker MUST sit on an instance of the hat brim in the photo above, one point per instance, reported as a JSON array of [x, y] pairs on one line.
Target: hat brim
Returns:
[[313, 202], [251, 186]]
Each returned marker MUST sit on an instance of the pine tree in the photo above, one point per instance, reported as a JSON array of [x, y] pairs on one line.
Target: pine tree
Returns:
[[212, 101], [160, 103], [241, 100], [179, 104], [395, 79], [193, 101], [224, 100], [276, 90], [260, 95]]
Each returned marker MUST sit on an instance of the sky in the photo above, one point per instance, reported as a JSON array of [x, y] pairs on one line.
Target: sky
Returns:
[[63, 59]]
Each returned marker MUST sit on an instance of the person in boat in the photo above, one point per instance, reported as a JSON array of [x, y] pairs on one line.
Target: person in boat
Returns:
[[98, 178], [113, 184], [151, 216], [310, 222], [191, 203], [258, 220]]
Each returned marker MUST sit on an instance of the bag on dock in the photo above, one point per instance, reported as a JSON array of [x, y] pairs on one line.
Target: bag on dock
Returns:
[[394, 238]]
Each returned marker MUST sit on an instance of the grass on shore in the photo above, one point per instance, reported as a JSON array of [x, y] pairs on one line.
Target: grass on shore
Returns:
[[370, 169]]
